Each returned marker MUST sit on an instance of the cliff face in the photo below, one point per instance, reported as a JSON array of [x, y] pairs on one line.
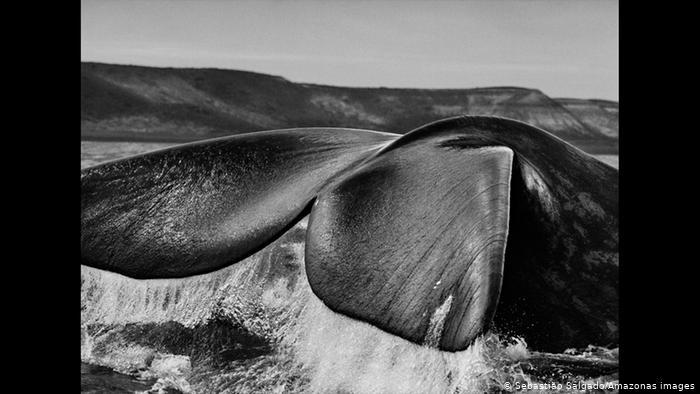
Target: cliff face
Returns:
[[601, 115], [146, 103]]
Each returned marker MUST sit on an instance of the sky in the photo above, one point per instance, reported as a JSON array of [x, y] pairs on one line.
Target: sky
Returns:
[[563, 48]]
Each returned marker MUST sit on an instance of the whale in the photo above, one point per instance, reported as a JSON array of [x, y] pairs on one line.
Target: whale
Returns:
[[460, 226]]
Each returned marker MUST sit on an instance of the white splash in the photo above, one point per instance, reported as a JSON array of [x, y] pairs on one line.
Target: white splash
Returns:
[[340, 354], [437, 323], [316, 350]]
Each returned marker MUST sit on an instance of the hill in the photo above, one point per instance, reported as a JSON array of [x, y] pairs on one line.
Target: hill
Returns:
[[601, 115], [120, 102]]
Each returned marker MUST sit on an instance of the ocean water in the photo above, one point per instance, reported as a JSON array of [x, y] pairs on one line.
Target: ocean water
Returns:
[[256, 327]]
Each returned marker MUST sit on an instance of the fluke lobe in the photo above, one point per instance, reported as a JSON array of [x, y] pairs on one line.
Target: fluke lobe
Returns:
[[432, 236]]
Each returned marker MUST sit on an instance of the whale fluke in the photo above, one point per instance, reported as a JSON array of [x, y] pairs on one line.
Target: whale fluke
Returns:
[[199, 207], [560, 274], [412, 230]]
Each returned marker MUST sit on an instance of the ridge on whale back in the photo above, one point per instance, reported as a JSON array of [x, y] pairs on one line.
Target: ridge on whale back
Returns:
[[431, 236]]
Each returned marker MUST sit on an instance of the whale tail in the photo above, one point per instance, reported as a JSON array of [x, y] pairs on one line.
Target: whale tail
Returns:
[[430, 236], [198, 207]]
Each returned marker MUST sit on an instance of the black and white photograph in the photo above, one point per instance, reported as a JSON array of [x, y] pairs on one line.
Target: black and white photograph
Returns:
[[350, 197]]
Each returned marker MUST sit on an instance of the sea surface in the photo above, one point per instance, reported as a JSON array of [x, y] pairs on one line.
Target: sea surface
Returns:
[[257, 327]]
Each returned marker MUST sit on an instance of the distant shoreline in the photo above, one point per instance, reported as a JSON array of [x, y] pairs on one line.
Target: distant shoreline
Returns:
[[171, 105]]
